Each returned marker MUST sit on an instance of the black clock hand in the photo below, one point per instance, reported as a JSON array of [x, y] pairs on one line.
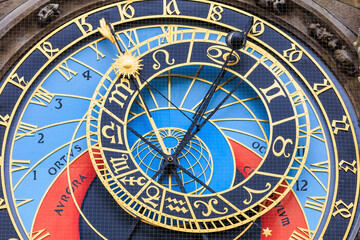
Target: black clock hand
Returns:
[[201, 110], [146, 141], [235, 40]]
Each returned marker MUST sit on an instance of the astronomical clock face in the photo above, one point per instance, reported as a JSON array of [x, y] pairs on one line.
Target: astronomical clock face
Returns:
[[175, 120]]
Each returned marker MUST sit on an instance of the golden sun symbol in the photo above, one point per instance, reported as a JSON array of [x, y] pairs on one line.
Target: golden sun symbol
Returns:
[[127, 65]]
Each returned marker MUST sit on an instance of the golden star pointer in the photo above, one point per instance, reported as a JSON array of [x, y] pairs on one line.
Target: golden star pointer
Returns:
[[267, 232]]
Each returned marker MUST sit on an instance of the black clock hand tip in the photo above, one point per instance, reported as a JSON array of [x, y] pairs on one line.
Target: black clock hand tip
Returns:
[[236, 39]]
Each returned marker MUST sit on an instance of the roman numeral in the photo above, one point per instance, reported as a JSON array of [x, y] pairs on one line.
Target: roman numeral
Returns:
[[68, 75], [320, 167], [315, 203], [39, 235], [301, 234], [25, 129], [98, 53], [42, 97], [18, 165]]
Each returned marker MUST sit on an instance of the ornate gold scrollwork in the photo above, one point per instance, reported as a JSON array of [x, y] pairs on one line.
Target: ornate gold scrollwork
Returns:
[[219, 53]]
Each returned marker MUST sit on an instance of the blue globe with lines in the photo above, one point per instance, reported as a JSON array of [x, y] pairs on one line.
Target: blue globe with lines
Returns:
[[194, 157]]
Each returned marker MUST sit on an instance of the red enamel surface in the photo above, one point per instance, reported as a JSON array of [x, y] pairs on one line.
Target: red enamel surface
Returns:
[[246, 160], [57, 198], [287, 216], [285, 219]]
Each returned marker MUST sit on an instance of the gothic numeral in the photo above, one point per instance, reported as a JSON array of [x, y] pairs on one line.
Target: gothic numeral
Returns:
[[4, 120], [215, 12], [82, 24], [322, 87], [343, 209], [346, 166], [170, 7], [47, 49], [19, 82], [126, 11], [292, 54], [340, 125], [257, 29]]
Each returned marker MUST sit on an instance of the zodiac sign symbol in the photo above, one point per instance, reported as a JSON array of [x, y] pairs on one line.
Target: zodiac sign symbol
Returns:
[[131, 181], [157, 65], [176, 208], [219, 53], [183, 209], [152, 197], [210, 207], [251, 191]]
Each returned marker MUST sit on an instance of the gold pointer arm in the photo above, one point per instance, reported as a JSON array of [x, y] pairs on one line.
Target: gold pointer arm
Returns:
[[105, 30]]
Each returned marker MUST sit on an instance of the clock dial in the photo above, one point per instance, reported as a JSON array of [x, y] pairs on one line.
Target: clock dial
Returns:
[[126, 128]]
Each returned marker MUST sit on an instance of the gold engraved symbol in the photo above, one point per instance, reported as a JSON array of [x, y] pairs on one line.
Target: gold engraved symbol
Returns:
[[131, 181], [324, 86], [251, 191], [210, 207], [335, 123], [257, 29], [19, 82], [126, 11], [4, 120], [168, 6], [347, 168], [120, 164], [47, 50], [82, 24], [112, 137], [215, 12], [157, 65], [2, 204], [172, 208], [284, 143], [215, 52], [152, 197], [344, 211], [292, 53], [176, 208]]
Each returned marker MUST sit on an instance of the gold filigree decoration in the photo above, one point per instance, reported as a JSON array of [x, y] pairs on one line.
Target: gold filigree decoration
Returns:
[[127, 65]]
